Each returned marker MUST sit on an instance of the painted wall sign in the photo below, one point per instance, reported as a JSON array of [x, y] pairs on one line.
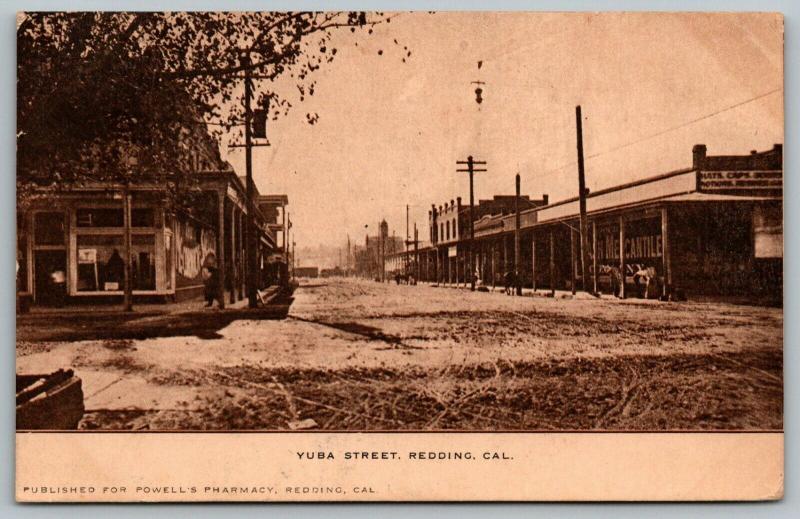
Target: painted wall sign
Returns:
[[642, 241], [739, 180], [193, 243], [638, 247], [644, 249]]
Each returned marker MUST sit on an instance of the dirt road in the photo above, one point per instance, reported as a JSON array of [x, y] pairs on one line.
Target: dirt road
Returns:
[[363, 355]]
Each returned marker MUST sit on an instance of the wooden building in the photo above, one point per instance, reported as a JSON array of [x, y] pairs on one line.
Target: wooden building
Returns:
[[713, 228], [79, 231]]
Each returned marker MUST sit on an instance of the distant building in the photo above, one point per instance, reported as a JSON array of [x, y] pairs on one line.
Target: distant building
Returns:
[[332, 272], [369, 259], [306, 272], [449, 228], [450, 222]]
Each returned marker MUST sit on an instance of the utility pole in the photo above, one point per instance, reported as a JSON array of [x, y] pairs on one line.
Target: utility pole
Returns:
[[365, 264], [517, 260], [383, 251], [128, 277], [347, 260], [582, 203], [416, 251], [471, 163], [407, 238], [288, 244], [285, 252], [251, 244], [252, 239]]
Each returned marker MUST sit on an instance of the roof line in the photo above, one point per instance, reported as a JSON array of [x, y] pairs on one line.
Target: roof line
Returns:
[[618, 187]]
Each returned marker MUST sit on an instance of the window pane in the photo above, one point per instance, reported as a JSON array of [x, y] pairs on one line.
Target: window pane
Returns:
[[101, 264], [100, 217], [49, 228], [142, 217], [144, 269], [100, 267], [114, 217]]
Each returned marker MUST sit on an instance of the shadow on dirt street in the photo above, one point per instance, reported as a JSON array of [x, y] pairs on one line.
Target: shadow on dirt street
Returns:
[[368, 332], [201, 323]]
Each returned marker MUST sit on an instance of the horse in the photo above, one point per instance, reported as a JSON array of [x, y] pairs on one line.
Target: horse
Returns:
[[510, 282], [645, 278], [616, 278]]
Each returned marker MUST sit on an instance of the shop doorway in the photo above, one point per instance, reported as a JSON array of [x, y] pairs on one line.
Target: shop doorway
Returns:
[[47, 289]]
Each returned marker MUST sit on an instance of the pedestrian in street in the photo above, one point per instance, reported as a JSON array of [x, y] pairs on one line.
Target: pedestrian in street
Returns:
[[211, 285], [211, 280]]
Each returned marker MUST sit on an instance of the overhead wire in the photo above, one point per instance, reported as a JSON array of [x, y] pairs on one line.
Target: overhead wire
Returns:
[[659, 133]]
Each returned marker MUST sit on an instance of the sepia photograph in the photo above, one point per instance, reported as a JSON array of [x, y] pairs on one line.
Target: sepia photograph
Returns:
[[417, 222]]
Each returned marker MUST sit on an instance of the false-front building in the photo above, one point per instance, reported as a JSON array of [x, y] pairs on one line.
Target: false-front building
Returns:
[[713, 228]]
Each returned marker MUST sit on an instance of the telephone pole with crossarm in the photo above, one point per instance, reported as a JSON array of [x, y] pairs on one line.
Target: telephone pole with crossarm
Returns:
[[471, 169]]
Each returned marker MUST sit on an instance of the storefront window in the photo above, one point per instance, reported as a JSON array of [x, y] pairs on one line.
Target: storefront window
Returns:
[[101, 265]]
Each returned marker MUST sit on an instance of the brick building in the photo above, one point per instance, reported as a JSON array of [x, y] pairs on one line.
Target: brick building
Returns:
[[449, 228]]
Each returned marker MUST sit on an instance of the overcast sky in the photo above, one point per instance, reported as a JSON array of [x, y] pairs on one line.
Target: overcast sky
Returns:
[[390, 133]]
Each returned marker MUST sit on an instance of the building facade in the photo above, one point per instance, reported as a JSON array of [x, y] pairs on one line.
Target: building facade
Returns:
[[449, 227], [714, 228], [371, 259], [79, 232]]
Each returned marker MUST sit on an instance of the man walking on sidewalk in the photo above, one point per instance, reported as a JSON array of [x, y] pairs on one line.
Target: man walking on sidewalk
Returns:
[[211, 280]]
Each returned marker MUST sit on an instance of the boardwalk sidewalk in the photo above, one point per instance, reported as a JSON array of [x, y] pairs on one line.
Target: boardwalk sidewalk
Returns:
[[111, 322]]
